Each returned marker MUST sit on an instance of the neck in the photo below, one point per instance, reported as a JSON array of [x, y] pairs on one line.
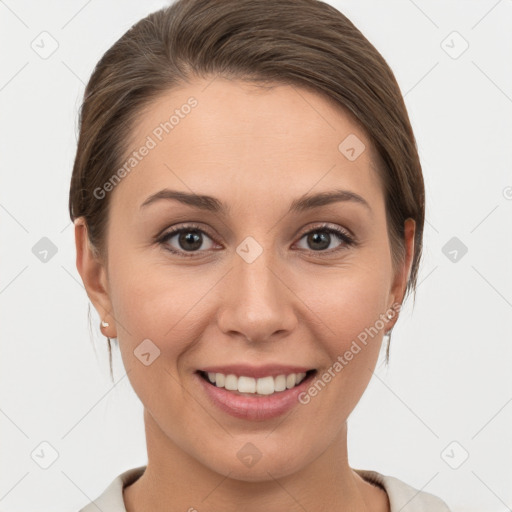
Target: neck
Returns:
[[175, 481]]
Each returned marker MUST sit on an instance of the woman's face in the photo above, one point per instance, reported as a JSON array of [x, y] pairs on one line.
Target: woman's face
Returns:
[[258, 280]]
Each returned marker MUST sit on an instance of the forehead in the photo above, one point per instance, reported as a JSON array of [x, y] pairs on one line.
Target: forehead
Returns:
[[223, 136]]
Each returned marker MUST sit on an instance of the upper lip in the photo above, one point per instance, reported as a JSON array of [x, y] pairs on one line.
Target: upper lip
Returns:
[[272, 370]]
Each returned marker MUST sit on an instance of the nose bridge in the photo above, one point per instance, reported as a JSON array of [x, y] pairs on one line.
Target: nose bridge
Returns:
[[257, 280], [255, 303]]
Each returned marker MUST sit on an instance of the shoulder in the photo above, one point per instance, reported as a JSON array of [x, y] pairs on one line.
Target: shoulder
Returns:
[[403, 497], [111, 498]]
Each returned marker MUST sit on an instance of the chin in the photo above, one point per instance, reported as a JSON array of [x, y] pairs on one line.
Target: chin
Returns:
[[250, 464]]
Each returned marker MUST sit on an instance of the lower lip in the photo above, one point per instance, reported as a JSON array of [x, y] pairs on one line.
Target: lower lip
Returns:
[[257, 407]]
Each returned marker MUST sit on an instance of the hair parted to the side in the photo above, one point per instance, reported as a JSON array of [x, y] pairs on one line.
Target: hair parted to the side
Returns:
[[304, 43]]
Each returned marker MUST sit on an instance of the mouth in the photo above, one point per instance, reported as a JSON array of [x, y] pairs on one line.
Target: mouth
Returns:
[[264, 386]]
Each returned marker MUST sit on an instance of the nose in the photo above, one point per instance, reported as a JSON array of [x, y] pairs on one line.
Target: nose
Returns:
[[256, 302]]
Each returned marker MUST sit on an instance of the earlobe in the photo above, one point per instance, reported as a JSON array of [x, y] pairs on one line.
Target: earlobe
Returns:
[[93, 273]]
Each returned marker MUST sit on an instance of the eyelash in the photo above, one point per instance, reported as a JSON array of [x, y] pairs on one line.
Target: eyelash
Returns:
[[342, 235]]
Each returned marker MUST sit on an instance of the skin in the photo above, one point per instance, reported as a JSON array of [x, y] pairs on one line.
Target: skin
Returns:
[[256, 150]]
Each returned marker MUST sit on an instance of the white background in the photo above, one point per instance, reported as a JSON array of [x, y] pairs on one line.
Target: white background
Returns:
[[450, 375]]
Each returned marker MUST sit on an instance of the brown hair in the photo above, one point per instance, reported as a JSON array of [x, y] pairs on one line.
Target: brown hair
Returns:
[[306, 43]]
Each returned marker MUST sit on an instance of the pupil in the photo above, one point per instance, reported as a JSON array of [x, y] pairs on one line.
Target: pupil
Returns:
[[322, 237], [190, 237]]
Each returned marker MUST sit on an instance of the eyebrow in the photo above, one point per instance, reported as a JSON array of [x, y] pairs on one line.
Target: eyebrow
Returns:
[[211, 204]]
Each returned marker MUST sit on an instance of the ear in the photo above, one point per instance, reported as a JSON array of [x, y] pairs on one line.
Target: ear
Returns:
[[94, 276], [403, 273]]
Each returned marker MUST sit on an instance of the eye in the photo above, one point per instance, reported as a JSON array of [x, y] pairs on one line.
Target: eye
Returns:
[[189, 240], [186, 239], [326, 239]]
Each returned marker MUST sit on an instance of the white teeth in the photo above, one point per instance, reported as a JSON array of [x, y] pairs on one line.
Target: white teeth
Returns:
[[246, 385], [265, 386], [291, 380], [219, 379], [280, 382], [262, 386], [231, 383]]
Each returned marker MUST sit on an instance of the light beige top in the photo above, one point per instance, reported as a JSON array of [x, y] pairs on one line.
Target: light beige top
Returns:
[[402, 497]]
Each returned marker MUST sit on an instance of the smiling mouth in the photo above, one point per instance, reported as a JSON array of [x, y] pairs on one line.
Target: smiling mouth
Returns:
[[249, 386]]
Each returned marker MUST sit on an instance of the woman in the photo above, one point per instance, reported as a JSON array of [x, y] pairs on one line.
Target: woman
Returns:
[[249, 205]]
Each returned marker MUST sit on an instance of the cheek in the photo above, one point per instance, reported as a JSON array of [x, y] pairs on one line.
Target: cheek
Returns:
[[157, 303], [353, 306], [354, 300], [155, 328], [353, 346]]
